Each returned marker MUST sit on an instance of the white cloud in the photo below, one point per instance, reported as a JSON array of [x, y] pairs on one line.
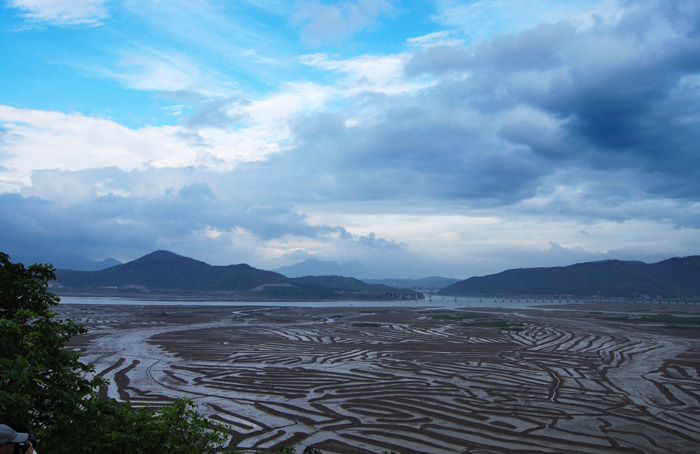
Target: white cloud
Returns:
[[158, 71], [35, 139], [63, 12], [441, 38], [151, 69], [54, 140], [463, 245], [368, 73], [320, 22], [291, 100]]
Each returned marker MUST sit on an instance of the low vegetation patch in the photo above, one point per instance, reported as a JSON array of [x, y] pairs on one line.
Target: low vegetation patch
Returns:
[[496, 323], [671, 320], [168, 314], [690, 327], [367, 325], [457, 318]]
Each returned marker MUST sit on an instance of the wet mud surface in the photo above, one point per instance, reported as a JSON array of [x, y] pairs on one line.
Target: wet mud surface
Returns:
[[367, 380]]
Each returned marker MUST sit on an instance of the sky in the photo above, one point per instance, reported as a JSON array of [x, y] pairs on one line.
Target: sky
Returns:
[[418, 138]]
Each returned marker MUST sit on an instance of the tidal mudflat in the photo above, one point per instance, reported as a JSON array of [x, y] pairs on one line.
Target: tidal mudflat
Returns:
[[367, 380]]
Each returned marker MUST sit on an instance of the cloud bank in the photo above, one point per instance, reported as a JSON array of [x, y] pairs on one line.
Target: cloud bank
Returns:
[[545, 142]]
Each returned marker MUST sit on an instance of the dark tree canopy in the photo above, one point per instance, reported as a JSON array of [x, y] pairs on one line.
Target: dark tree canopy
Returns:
[[45, 387], [40, 379]]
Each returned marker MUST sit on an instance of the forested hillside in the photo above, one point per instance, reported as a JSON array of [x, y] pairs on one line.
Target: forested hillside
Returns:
[[676, 277]]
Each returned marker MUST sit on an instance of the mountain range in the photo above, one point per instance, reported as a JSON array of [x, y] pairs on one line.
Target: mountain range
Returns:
[[67, 262], [676, 277], [166, 272], [315, 267], [163, 271]]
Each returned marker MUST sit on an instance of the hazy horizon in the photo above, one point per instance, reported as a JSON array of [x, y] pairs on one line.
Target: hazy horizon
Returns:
[[308, 267], [437, 138]]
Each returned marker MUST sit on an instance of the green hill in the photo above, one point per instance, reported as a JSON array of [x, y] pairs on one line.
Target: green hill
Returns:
[[356, 286], [676, 277], [162, 270], [430, 282], [165, 272]]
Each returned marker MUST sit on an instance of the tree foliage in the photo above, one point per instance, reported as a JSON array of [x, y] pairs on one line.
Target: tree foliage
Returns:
[[120, 428], [39, 378], [46, 387]]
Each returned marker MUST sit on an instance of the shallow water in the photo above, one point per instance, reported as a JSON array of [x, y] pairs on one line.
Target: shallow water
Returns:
[[448, 302]]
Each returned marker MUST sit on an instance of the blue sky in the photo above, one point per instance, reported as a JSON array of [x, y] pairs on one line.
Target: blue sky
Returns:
[[443, 137]]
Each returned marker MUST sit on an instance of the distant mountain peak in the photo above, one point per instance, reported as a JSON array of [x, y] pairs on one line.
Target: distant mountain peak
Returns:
[[162, 253], [67, 261], [164, 258], [165, 270], [316, 267]]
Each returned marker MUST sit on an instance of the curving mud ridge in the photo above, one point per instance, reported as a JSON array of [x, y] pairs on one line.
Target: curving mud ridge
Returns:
[[367, 380]]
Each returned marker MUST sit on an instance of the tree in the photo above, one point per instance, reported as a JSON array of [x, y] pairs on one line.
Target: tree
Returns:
[[44, 386], [119, 428], [39, 378]]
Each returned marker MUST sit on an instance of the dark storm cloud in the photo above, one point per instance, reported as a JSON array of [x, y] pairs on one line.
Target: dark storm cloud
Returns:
[[96, 213], [596, 123], [537, 49], [617, 96], [269, 222], [428, 150], [37, 227]]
